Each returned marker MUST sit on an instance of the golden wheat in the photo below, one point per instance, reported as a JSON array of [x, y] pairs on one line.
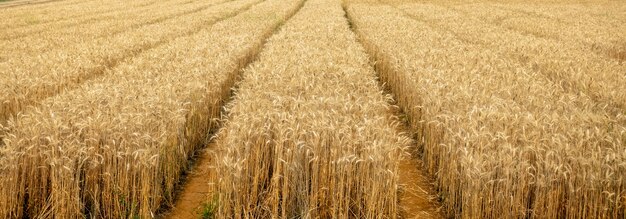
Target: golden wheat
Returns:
[[38, 25], [518, 108], [502, 139], [597, 13], [576, 70], [310, 134], [61, 11], [25, 81], [116, 147], [91, 32], [577, 28]]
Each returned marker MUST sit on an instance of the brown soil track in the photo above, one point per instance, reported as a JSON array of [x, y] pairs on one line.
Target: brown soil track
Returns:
[[199, 184], [417, 198]]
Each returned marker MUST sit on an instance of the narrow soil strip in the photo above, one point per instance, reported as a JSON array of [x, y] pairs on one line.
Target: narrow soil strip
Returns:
[[200, 183], [416, 198]]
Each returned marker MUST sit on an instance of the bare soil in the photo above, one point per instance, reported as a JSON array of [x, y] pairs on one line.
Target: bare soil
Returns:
[[417, 197], [198, 188]]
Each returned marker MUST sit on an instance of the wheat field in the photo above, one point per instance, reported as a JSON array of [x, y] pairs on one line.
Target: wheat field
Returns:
[[313, 108]]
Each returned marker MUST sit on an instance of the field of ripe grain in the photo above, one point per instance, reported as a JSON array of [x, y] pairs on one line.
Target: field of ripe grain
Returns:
[[312, 109], [511, 124]]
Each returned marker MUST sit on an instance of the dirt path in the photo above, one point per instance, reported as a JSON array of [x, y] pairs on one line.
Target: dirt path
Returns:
[[197, 189], [417, 198]]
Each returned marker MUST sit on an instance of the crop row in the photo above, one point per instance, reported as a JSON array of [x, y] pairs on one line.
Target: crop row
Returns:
[[55, 38], [309, 133], [24, 82], [600, 14], [601, 35], [117, 146], [574, 69], [39, 26], [502, 140], [61, 11]]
